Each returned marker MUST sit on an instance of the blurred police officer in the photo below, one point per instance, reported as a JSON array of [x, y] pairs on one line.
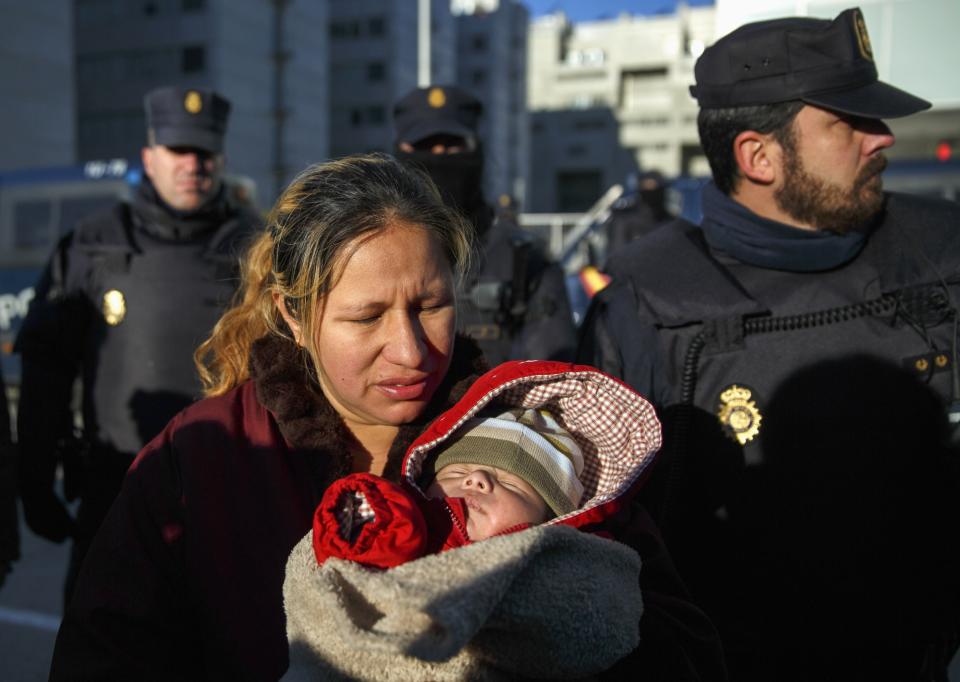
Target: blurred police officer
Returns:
[[515, 301], [801, 345], [9, 530], [125, 300], [640, 210]]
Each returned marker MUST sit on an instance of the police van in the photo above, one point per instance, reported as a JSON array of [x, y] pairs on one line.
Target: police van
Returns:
[[37, 207]]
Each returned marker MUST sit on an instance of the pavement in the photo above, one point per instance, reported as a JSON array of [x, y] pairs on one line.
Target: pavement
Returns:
[[30, 609]]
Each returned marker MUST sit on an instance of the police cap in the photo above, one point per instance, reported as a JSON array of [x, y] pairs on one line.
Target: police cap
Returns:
[[821, 62], [187, 117], [436, 110]]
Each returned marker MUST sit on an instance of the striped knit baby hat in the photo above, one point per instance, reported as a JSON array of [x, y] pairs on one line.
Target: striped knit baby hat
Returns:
[[528, 443]]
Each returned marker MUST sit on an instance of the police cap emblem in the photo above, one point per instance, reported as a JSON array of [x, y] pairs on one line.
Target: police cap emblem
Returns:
[[739, 414], [436, 98], [114, 307], [863, 39], [193, 102]]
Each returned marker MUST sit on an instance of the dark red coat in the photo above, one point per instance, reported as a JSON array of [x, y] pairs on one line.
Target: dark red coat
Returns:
[[184, 579]]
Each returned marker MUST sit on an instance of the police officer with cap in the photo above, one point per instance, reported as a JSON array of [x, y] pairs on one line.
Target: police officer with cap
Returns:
[[124, 301], [515, 301], [801, 347]]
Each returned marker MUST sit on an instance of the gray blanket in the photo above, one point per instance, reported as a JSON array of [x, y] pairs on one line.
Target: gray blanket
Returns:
[[550, 602]]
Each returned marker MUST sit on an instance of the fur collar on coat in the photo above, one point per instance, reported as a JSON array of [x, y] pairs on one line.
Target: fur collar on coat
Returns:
[[307, 421]]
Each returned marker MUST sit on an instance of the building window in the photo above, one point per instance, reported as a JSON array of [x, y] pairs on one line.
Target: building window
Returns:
[[31, 224], [578, 190], [376, 71], [193, 5], [150, 9], [368, 116], [344, 29], [193, 59], [590, 124], [479, 42], [376, 116], [636, 85], [583, 101], [373, 27], [591, 56], [576, 151], [478, 77], [376, 26]]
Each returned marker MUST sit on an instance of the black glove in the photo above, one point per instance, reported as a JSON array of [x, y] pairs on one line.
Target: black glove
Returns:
[[47, 516]]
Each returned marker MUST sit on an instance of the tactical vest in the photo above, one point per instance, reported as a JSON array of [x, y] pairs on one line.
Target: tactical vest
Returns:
[[728, 352], [153, 303], [493, 306]]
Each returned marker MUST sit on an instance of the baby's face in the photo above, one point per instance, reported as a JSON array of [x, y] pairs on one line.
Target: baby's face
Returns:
[[495, 499]]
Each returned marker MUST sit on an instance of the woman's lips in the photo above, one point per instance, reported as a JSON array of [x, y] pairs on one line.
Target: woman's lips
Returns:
[[403, 391]]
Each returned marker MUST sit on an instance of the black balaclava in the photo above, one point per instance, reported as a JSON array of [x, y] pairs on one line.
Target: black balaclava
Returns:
[[459, 177]]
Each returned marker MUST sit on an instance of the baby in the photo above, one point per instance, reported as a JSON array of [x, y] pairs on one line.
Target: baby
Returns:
[[559, 600], [497, 475]]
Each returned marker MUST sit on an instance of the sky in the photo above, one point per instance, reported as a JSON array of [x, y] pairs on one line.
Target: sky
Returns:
[[587, 10]]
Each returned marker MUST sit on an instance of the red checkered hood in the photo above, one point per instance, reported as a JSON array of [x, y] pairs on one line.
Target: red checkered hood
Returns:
[[616, 427]]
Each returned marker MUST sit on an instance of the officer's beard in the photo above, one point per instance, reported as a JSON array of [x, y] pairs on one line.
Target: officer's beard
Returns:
[[459, 177], [827, 205]]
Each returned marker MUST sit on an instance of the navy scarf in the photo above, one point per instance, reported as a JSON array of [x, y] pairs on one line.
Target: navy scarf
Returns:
[[736, 230]]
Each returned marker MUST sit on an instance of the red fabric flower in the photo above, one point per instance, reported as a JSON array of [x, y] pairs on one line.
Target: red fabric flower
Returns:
[[367, 519]]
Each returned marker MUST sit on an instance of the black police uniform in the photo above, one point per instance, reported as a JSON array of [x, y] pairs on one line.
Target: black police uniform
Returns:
[[123, 303], [807, 488], [514, 301], [9, 530]]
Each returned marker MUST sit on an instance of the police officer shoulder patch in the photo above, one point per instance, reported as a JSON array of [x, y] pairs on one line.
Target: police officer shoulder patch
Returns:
[[114, 307], [738, 413]]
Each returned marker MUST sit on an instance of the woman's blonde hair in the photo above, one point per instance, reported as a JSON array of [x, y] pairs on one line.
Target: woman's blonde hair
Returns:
[[300, 254]]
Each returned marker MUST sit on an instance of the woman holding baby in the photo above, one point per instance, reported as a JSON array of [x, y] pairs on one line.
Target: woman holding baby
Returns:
[[339, 353]]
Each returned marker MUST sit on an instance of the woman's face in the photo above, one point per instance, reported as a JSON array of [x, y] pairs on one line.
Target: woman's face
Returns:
[[385, 331]]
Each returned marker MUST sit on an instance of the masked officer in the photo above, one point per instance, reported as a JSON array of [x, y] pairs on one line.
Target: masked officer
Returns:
[[125, 300], [514, 302], [640, 210], [801, 345]]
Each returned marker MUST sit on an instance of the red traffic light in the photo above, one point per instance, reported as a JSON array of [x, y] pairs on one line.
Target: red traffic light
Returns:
[[944, 151]]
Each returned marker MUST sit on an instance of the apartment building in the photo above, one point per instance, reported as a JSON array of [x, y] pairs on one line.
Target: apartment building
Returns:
[[36, 50], [491, 63], [609, 98], [269, 57], [374, 61]]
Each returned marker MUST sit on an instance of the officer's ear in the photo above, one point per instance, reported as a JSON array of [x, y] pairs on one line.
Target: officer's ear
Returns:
[[288, 317], [146, 157], [758, 156]]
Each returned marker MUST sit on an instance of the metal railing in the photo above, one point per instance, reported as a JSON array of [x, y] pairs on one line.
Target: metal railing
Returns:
[[569, 235]]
